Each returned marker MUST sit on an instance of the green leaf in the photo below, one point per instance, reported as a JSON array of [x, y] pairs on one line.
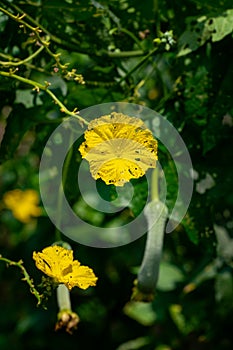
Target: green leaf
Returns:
[[169, 276], [142, 312], [27, 98], [134, 344], [193, 37], [197, 34], [224, 244], [18, 122], [220, 26], [224, 291]]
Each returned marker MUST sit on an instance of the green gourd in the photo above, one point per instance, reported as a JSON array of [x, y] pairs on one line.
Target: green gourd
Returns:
[[156, 213]]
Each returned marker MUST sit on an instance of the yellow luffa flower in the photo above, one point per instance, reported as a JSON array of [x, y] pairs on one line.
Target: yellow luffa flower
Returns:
[[23, 204], [57, 262], [118, 148]]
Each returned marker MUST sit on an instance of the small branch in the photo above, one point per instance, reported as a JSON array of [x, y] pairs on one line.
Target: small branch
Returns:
[[38, 87], [105, 84], [74, 45], [20, 62], [19, 19], [26, 278], [62, 43], [125, 54], [44, 42]]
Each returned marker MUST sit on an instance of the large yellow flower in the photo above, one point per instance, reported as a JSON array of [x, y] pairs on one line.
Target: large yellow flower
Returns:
[[57, 262], [23, 204], [118, 148]]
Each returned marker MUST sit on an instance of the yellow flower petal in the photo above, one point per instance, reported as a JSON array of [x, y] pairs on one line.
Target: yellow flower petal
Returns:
[[54, 261], [57, 262], [23, 204], [80, 276], [118, 148]]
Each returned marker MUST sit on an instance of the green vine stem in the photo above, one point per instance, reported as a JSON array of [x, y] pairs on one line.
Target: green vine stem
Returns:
[[131, 35], [125, 54], [17, 61], [26, 277], [44, 41], [20, 62], [36, 31], [38, 87]]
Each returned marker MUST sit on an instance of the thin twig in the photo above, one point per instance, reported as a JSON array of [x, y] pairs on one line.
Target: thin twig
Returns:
[[26, 278], [36, 31], [19, 62], [38, 87], [75, 44]]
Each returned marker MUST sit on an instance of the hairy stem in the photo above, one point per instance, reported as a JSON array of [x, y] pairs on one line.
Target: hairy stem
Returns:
[[26, 277], [45, 88]]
